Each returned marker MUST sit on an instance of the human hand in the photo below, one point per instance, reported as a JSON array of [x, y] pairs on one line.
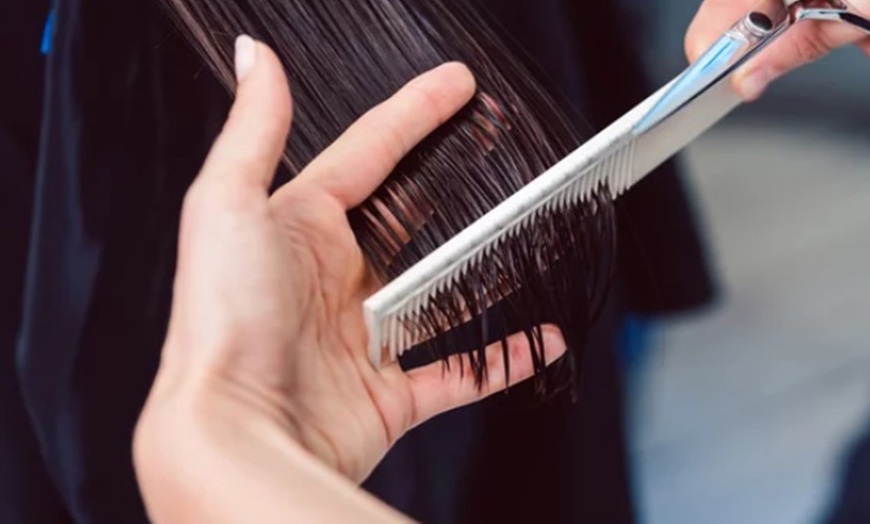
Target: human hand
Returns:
[[802, 44], [265, 356]]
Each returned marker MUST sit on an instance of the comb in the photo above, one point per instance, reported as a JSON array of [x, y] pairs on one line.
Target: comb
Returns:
[[616, 159]]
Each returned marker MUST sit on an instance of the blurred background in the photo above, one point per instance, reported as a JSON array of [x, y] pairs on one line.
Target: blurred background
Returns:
[[751, 412]]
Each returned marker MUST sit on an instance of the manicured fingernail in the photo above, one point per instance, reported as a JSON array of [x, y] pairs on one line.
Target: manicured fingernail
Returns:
[[754, 83], [246, 56]]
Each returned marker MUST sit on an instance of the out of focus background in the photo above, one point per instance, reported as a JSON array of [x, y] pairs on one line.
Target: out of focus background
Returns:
[[751, 412]]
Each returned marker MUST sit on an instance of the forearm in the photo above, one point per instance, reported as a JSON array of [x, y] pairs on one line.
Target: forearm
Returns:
[[198, 460]]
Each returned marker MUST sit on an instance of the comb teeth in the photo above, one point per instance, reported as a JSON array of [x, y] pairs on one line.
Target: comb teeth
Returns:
[[395, 315], [604, 167]]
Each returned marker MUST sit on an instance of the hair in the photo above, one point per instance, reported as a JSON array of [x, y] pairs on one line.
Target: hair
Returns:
[[344, 56]]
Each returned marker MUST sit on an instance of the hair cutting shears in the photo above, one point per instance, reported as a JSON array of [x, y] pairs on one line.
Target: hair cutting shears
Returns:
[[759, 28]]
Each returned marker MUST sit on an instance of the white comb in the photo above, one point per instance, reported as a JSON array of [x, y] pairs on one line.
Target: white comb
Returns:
[[619, 157]]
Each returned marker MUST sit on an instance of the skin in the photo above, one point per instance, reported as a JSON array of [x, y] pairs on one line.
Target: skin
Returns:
[[265, 407], [801, 45]]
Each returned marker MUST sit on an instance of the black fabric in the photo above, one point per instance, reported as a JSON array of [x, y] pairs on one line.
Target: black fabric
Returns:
[[663, 261], [20, 111], [26, 492], [556, 461], [852, 502], [130, 112], [129, 116]]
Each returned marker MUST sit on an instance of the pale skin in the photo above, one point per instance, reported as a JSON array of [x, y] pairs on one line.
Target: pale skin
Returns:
[[801, 45], [266, 407]]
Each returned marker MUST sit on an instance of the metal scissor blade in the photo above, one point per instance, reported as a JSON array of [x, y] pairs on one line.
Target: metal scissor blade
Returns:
[[704, 74], [739, 44], [749, 36], [670, 136]]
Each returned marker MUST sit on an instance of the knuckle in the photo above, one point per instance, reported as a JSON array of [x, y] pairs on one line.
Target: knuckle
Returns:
[[428, 99], [208, 198], [811, 48], [520, 355], [391, 142]]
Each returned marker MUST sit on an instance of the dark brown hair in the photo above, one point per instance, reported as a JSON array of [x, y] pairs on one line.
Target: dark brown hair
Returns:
[[345, 56]]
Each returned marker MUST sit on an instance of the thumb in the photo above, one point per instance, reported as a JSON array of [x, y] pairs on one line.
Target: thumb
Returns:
[[254, 137]]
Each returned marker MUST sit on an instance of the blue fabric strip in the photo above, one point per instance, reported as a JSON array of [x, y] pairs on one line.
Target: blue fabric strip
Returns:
[[635, 340], [48, 34]]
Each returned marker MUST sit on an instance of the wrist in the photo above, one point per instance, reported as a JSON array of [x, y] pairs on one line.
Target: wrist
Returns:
[[218, 406], [205, 456]]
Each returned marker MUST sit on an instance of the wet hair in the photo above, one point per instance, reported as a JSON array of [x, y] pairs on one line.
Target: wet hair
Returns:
[[345, 56]]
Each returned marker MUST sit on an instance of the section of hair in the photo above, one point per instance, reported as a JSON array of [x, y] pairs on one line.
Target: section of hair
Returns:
[[345, 56]]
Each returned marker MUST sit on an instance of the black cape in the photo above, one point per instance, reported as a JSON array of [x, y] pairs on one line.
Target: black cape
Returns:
[[128, 115]]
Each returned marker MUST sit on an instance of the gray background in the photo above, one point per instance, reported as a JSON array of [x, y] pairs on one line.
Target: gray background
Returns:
[[744, 414]]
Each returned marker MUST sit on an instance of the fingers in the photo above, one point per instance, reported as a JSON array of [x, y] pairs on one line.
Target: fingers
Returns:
[[436, 391], [804, 43], [247, 152], [358, 162]]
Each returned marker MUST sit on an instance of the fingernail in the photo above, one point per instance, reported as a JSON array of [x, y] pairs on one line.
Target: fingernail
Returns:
[[246, 56], [754, 83]]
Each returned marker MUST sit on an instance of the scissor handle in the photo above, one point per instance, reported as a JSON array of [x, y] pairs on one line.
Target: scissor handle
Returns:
[[835, 15], [752, 33], [743, 41]]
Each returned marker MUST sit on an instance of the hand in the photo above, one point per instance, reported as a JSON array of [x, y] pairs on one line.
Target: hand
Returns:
[[804, 43], [265, 364]]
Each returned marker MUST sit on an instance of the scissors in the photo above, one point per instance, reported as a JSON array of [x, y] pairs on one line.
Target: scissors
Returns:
[[759, 28]]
